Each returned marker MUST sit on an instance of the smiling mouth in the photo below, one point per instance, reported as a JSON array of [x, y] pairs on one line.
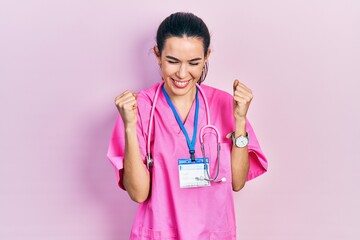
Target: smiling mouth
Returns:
[[180, 84]]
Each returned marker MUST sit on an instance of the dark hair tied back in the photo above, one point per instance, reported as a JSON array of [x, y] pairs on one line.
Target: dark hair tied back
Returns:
[[184, 24]]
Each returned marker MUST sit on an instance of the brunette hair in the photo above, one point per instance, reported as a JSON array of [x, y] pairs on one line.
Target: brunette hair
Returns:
[[181, 24]]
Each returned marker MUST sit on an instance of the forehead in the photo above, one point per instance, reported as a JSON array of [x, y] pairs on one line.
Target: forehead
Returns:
[[183, 47]]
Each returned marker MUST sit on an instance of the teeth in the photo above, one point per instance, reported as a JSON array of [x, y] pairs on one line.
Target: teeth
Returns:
[[181, 84]]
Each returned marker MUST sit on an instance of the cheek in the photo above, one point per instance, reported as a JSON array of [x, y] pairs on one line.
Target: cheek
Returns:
[[196, 71], [168, 70]]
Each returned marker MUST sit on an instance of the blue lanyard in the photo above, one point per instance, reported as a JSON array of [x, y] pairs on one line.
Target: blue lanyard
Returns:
[[191, 144]]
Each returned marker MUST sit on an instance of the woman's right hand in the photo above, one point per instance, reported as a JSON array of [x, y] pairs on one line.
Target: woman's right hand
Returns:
[[127, 106], [135, 179]]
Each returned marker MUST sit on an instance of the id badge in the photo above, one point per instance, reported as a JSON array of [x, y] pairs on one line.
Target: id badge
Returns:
[[193, 173]]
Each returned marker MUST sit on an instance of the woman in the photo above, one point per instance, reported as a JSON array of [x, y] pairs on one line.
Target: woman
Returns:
[[185, 192]]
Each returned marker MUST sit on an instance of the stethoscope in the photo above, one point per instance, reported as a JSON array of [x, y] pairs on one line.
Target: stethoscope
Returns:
[[149, 160]]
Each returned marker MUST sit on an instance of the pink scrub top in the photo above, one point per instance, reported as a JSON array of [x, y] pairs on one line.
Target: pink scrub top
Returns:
[[171, 212]]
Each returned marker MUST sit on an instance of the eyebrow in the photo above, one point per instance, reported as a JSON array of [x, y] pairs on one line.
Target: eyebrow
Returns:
[[175, 59]]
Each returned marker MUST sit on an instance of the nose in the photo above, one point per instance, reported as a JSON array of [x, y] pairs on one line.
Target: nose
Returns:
[[182, 72]]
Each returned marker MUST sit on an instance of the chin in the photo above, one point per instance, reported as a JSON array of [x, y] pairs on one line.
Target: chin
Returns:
[[180, 88]]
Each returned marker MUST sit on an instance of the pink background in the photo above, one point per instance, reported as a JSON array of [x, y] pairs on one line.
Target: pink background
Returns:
[[63, 62]]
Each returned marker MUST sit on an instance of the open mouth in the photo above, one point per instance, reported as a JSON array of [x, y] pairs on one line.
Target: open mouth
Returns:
[[180, 84]]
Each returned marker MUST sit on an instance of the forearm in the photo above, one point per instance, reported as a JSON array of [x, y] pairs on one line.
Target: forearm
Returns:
[[239, 159], [136, 179]]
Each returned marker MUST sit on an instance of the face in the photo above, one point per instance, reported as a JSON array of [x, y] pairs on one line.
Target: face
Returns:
[[182, 61]]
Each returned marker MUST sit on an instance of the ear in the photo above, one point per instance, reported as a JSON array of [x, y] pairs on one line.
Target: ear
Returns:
[[208, 54], [157, 54]]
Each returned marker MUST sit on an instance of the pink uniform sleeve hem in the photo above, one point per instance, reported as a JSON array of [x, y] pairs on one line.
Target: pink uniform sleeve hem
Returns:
[[258, 164], [117, 163]]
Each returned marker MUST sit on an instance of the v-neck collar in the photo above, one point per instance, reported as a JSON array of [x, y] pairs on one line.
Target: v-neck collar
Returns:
[[189, 122]]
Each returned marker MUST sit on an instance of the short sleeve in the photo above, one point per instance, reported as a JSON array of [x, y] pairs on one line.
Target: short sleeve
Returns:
[[258, 161], [116, 150]]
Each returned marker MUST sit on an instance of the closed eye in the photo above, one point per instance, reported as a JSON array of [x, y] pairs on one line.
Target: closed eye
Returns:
[[192, 62], [173, 62]]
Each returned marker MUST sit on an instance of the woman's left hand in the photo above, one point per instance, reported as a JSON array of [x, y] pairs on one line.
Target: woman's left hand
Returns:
[[242, 99]]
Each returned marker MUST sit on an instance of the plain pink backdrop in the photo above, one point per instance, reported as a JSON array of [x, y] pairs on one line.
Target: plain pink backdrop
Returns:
[[63, 62]]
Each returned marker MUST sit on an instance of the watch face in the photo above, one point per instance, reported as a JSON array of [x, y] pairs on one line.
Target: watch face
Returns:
[[241, 141]]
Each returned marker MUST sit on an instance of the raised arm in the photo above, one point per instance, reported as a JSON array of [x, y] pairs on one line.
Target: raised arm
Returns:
[[239, 156], [136, 179]]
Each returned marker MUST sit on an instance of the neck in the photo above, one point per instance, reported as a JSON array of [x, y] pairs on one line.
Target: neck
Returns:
[[182, 100], [182, 103]]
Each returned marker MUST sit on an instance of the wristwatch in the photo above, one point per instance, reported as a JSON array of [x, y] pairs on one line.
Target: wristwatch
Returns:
[[241, 141]]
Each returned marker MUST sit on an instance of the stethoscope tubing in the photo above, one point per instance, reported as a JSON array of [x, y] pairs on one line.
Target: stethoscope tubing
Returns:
[[201, 135]]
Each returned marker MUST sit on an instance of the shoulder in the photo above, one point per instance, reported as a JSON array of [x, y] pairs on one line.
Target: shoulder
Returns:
[[146, 96], [145, 100]]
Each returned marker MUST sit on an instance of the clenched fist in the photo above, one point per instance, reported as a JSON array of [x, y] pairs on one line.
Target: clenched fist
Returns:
[[242, 99], [127, 106]]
